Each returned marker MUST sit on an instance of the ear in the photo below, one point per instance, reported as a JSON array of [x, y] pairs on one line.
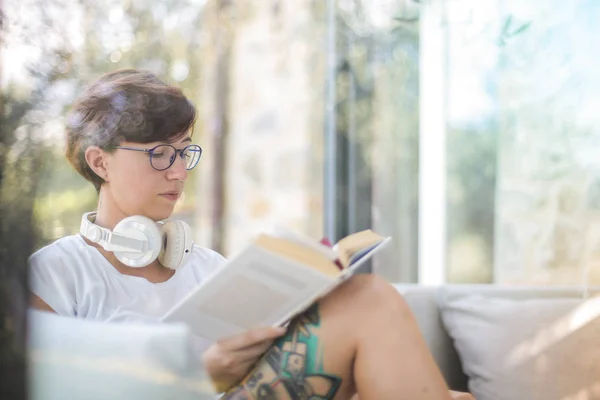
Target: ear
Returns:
[[97, 159]]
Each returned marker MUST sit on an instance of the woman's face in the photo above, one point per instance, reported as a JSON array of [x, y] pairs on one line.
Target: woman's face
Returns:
[[136, 188]]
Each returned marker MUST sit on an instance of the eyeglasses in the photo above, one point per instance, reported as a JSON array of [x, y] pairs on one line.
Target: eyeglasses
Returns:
[[164, 155]]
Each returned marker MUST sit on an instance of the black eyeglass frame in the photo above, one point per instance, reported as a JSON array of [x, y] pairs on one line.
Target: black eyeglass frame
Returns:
[[192, 147]]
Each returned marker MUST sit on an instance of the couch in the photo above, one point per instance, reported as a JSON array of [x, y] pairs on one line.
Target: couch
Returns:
[[512, 343], [500, 343]]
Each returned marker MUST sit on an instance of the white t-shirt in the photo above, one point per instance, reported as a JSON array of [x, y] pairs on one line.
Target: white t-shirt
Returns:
[[76, 280]]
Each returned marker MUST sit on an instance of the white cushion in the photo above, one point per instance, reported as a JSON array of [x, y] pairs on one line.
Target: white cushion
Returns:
[[82, 359], [422, 301], [527, 348]]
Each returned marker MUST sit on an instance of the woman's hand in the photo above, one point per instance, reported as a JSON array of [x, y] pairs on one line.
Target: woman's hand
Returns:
[[229, 360], [461, 395]]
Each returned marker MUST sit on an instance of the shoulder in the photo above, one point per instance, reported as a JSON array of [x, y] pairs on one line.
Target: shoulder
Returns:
[[208, 255], [204, 260], [58, 252], [53, 276]]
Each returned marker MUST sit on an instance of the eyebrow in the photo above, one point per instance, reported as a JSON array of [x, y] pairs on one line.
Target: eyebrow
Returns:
[[186, 140]]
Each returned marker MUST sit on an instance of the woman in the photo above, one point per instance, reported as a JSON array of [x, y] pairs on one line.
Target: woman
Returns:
[[130, 136]]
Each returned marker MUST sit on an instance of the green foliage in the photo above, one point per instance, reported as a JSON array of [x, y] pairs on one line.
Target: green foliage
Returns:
[[509, 31]]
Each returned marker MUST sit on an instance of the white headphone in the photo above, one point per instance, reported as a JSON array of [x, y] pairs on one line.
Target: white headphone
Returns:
[[137, 241]]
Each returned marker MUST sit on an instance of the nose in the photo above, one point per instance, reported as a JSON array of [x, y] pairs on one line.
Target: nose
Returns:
[[177, 171]]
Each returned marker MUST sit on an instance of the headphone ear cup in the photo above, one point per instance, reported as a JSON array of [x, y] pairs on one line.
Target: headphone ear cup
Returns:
[[177, 243], [144, 229]]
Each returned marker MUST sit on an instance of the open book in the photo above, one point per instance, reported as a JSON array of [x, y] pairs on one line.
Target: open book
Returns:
[[272, 280]]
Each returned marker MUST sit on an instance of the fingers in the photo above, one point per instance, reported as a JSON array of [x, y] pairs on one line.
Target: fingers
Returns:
[[231, 358], [233, 364], [251, 354], [251, 338], [461, 395]]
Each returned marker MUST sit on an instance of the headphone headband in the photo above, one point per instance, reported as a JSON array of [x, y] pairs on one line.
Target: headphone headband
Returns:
[[110, 241]]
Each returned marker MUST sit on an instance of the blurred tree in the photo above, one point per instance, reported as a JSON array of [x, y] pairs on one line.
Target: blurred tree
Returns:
[[17, 237], [97, 38]]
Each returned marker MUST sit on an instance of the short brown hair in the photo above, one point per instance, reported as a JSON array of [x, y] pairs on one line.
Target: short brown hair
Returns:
[[127, 105]]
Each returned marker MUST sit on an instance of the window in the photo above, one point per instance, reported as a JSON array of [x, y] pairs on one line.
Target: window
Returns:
[[465, 129], [495, 181]]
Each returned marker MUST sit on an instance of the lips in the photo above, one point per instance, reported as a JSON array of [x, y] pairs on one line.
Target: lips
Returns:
[[173, 196]]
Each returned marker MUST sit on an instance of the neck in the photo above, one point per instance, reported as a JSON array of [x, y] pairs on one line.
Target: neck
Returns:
[[108, 214]]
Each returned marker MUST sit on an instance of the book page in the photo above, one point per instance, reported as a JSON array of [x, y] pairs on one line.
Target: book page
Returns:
[[256, 288], [360, 257], [306, 241], [354, 243], [304, 255]]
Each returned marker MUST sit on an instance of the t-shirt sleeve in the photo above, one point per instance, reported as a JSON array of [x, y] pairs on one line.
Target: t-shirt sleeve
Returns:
[[51, 280]]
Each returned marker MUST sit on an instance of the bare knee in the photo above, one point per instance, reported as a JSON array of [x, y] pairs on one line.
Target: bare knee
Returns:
[[373, 286], [373, 292]]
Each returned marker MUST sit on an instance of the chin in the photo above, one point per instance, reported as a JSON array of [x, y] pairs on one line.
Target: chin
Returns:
[[159, 215]]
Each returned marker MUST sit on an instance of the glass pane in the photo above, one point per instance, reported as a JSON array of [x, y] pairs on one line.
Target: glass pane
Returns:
[[54, 49], [377, 89], [472, 138], [254, 69], [262, 102], [522, 136]]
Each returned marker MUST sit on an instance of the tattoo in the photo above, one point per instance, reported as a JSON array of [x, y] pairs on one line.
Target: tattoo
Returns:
[[292, 368]]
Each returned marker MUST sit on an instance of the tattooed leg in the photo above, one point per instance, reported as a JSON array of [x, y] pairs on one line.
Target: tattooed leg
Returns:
[[292, 368], [362, 338]]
